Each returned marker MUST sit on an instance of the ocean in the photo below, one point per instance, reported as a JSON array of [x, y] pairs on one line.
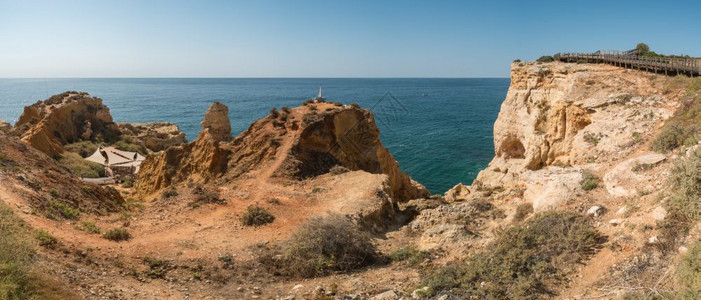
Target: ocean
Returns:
[[440, 130]]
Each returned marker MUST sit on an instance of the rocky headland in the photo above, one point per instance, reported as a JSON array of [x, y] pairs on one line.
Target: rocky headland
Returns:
[[593, 192]]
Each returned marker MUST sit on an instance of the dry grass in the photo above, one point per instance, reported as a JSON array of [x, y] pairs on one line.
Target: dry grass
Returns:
[[320, 247], [19, 278], [524, 262]]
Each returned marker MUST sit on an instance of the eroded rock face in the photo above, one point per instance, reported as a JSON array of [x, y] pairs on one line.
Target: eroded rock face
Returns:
[[155, 136], [63, 119], [571, 114], [300, 143], [40, 179], [5, 127], [216, 122], [199, 161]]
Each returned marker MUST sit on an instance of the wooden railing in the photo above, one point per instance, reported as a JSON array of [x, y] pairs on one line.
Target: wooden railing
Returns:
[[666, 65]]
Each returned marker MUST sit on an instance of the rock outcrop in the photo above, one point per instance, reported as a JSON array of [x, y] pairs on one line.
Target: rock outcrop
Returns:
[[299, 143], [155, 136], [5, 127], [47, 185], [63, 119], [199, 161], [569, 115]]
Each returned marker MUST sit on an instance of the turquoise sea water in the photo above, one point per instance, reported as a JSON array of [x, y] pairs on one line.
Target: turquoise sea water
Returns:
[[440, 130]]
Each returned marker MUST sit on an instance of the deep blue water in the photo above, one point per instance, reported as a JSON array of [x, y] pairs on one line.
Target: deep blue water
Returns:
[[440, 130]]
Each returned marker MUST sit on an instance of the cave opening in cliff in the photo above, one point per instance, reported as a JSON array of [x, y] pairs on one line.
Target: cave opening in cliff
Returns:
[[512, 148]]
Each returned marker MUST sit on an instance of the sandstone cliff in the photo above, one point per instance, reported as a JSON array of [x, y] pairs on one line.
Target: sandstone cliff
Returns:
[[154, 136], [49, 187], [302, 142], [63, 119]]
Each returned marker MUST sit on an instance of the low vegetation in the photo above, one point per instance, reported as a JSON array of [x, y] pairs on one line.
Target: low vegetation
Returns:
[[117, 234], [127, 144], [589, 181], [89, 227], [684, 203], [409, 254], [81, 167], [522, 211], [689, 274], [205, 196], [60, 210], [169, 193], [321, 246], [682, 129], [19, 277], [256, 216], [524, 262], [545, 59]]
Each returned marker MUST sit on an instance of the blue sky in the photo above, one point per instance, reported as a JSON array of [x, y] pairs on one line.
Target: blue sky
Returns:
[[325, 38]]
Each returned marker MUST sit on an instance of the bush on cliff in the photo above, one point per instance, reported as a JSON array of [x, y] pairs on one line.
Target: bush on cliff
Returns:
[[525, 261], [81, 167], [545, 59], [321, 246], [683, 129]]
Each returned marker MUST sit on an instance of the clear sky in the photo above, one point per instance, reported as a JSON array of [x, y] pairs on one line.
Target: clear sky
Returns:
[[329, 38]]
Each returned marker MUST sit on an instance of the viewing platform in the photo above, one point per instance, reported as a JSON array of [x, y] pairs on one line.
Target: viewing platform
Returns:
[[630, 60]]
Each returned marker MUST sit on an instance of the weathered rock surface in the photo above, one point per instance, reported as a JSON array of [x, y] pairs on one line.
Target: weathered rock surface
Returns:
[[199, 161], [5, 127], [155, 136], [621, 180], [63, 119], [300, 143], [44, 183]]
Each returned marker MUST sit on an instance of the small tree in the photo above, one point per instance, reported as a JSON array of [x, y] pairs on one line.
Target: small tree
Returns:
[[642, 48]]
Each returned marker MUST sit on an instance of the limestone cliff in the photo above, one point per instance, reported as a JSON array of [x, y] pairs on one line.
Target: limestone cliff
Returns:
[[570, 115], [65, 118]]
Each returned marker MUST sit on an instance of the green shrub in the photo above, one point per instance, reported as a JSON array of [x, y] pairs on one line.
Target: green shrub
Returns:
[[321, 246], [684, 128], [63, 210], [589, 181], [128, 182], [117, 234], [410, 254], [169, 193], [592, 138], [685, 180], [522, 262], [89, 227], [18, 277], [46, 240], [54, 193], [545, 59], [256, 216], [84, 148], [157, 268], [689, 273], [126, 144], [81, 167]]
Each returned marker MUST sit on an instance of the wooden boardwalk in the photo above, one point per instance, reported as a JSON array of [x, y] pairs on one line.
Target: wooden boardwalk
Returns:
[[661, 65]]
